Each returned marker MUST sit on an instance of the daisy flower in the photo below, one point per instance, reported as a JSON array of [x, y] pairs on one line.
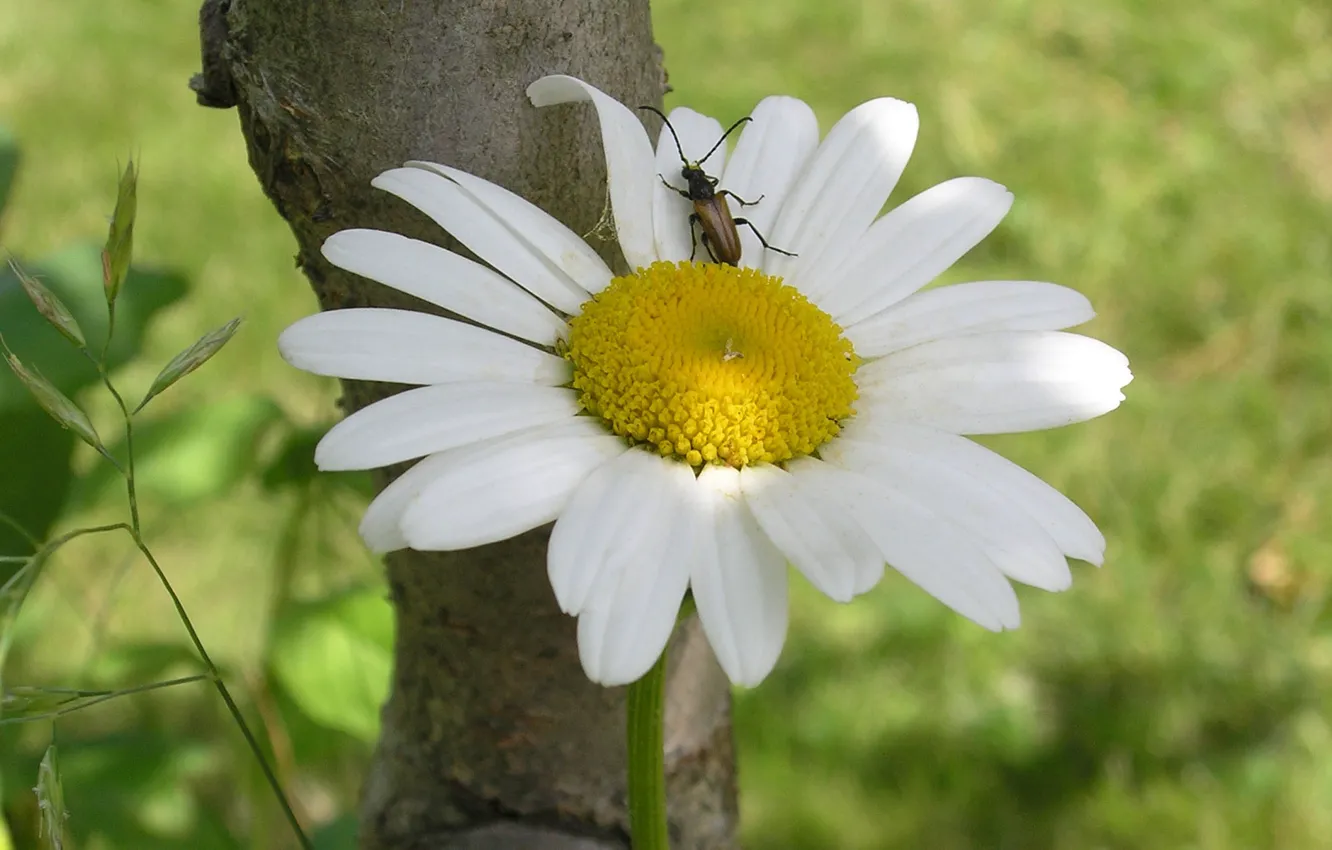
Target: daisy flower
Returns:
[[694, 427]]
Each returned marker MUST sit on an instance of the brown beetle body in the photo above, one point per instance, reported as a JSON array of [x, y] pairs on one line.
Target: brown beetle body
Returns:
[[713, 216], [721, 238]]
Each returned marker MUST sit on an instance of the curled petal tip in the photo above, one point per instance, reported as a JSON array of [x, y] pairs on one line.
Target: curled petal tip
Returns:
[[557, 88]]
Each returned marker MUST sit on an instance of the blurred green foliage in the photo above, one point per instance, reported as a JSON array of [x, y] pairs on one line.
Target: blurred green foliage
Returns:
[[1172, 161], [37, 479]]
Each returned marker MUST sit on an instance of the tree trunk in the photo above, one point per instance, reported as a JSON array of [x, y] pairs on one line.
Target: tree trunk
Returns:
[[492, 736]]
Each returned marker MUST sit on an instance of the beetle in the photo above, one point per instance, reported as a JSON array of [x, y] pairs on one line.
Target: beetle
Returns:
[[711, 212]]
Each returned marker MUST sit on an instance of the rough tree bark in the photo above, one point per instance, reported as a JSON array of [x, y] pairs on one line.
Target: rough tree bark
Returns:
[[492, 737]]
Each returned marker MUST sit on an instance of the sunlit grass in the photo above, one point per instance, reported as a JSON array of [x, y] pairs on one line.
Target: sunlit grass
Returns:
[[1172, 162]]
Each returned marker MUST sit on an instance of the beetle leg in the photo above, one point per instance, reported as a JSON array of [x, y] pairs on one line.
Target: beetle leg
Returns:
[[750, 225], [681, 192], [739, 200]]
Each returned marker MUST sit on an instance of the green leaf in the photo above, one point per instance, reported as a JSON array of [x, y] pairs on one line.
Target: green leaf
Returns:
[[6, 839], [338, 834], [49, 306], [51, 802], [9, 161], [120, 239], [293, 466], [189, 455], [37, 475], [190, 359], [56, 403], [333, 657]]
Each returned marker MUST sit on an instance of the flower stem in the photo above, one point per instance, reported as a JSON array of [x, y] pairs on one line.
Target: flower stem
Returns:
[[647, 762]]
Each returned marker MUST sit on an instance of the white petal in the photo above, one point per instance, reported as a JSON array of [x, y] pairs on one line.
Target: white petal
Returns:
[[499, 488], [561, 247], [1018, 546], [773, 148], [968, 308], [738, 580], [629, 161], [381, 526], [624, 577], [995, 383], [404, 347], [867, 560], [489, 237], [607, 514], [1071, 528], [432, 419], [909, 247], [929, 550], [588, 529], [670, 210], [844, 185], [826, 546], [445, 279]]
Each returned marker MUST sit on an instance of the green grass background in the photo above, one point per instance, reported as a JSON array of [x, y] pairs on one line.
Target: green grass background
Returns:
[[1172, 161]]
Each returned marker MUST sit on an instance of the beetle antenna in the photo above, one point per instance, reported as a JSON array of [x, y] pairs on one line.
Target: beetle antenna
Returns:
[[723, 138], [667, 122]]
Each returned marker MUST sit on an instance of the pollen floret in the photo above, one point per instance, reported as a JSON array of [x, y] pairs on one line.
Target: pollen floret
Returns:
[[712, 364]]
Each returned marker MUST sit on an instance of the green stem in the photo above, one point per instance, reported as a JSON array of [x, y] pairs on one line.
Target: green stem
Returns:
[[129, 447], [110, 330], [136, 533], [91, 698], [647, 760], [8, 520], [223, 692]]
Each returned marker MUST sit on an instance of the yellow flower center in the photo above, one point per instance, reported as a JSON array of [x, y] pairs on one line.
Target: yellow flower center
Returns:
[[712, 364]]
